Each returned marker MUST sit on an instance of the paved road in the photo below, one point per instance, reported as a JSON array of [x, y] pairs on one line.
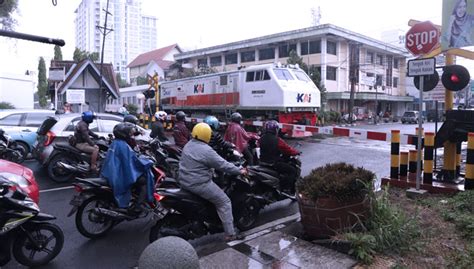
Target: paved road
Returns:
[[123, 245]]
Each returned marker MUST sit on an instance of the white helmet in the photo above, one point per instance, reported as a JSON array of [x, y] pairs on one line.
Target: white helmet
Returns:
[[161, 115]]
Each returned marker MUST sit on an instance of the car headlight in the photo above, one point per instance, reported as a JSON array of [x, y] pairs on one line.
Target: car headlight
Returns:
[[21, 181]]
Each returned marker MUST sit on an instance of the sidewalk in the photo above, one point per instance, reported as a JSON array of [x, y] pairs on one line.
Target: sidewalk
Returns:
[[272, 246]]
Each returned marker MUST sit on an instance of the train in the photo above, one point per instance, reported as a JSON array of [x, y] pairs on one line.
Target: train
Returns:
[[259, 92]]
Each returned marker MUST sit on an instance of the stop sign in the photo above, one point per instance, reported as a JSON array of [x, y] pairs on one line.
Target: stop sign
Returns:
[[422, 38]]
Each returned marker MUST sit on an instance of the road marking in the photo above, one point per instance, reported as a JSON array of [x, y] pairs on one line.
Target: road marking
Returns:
[[57, 189]]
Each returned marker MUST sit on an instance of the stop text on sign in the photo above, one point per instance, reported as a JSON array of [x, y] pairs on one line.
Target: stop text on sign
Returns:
[[422, 38]]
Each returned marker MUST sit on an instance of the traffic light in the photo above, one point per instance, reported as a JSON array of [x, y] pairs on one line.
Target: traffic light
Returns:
[[149, 94], [429, 82], [455, 77]]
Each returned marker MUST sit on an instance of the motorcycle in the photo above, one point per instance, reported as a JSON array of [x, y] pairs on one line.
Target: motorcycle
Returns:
[[68, 162], [165, 161], [24, 230], [10, 150], [189, 216], [96, 209]]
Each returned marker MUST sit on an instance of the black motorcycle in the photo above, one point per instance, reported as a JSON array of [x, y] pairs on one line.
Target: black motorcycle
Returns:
[[68, 162], [166, 157], [10, 150], [189, 216], [24, 230]]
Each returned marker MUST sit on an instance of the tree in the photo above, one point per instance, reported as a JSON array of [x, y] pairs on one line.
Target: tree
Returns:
[[42, 83], [58, 55], [7, 7], [141, 81], [80, 55], [121, 82], [6, 105], [294, 58]]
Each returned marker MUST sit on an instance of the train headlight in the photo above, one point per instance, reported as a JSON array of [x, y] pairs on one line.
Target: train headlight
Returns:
[[288, 109]]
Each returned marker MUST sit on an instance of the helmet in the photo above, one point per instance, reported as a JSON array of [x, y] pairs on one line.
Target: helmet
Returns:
[[271, 126], [236, 117], [130, 118], [124, 131], [202, 131], [160, 115], [88, 116], [212, 121], [180, 116]]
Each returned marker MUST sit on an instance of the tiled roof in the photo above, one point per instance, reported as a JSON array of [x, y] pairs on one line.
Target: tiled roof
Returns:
[[154, 55]]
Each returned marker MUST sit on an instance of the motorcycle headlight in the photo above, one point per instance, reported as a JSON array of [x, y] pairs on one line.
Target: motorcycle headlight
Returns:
[[19, 180]]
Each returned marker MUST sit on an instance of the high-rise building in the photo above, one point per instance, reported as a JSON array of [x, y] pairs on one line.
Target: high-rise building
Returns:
[[132, 32]]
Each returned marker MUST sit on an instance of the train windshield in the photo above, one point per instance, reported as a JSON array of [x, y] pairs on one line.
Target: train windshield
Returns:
[[283, 74], [300, 75]]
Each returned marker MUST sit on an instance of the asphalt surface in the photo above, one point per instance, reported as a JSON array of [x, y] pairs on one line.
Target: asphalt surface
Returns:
[[122, 246]]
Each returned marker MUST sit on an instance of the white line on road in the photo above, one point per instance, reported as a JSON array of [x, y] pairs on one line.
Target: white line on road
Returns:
[[57, 189]]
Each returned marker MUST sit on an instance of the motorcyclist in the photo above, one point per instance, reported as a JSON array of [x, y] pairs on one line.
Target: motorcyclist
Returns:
[[236, 134], [272, 148], [124, 170], [181, 133], [195, 175], [82, 135], [133, 120], [217, 142], [157, 128]]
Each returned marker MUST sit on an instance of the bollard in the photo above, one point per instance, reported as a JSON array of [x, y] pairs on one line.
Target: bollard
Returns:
[[395, 151], [428, 163], [469, 178], [141, 120], [146, 122], [412, 165], [458, 159], [169, 252], [403, 165]]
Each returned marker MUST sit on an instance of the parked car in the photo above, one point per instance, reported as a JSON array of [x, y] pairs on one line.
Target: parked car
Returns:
[[26, 140], [22, 176], [59, 128], [431, 115], [411, 117]]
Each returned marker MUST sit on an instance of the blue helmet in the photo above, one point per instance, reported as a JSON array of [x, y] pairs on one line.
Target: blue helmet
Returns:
[[212, 121], [271, 126], [88, 116]]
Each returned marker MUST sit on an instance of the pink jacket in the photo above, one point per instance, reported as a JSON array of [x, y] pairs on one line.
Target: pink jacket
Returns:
[[238, 136]]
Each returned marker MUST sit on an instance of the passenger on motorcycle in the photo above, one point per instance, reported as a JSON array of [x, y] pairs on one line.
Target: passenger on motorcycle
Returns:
[[124, 170], [195, 175], [217, 142], [239, 137], [157, 128], [133, 120], [181, 133], [273, 148], [82, 136]]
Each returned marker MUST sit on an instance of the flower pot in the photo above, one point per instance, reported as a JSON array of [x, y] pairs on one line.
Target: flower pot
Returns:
[[325, 216]]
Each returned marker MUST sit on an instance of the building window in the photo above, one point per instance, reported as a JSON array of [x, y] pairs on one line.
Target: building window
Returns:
[[395, 82], [223, 80], [216, 61], [378, 80], [331, 73], [247, 56], [331, 48], [395, 63], [369, 58], [315, 47], [304, 48], [265, 54], [231, 58], [379, 59], [202, 63], [284, 50]]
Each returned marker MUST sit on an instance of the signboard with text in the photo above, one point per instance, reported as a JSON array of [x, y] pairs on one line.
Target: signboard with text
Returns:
[[457, 24], [76, 96], [421, 67]]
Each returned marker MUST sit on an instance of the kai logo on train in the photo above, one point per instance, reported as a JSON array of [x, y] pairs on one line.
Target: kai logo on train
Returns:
[[303, 98], [199, 88]]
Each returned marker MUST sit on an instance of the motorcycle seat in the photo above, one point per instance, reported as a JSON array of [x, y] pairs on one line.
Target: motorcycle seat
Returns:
[[265, 168], [67, 147], [98, 181]]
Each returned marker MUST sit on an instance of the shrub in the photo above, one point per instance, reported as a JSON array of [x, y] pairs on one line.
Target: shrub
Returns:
[[132, 109], [6, 105], [339, 180]]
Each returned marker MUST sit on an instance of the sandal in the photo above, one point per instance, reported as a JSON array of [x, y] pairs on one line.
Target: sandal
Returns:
[[234, 237]]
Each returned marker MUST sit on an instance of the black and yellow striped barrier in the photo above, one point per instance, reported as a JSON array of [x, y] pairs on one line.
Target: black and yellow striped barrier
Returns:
[[412, 164], [458, 159], [469, 178], [403, 165], [394, 152], [428, 158]]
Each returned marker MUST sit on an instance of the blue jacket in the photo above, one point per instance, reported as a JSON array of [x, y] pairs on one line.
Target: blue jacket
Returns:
[[122, 167]]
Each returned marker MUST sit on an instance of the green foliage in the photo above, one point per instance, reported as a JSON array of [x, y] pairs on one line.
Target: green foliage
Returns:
[[121, 82], [362, 246], [58, 55], [132, 109], [460, 211], [6, 105], [294, 58], [42, 83], [7, 7], [462, 259], [339, 180], [141, 81], [80, 55]]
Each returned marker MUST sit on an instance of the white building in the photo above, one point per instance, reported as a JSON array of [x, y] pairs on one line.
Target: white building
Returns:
[[14, 85], [132, 33]]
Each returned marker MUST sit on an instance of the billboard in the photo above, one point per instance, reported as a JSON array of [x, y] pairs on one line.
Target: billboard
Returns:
[[458, 24]]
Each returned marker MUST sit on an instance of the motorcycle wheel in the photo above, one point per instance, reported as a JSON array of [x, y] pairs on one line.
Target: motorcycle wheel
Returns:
[[88, 222], [49, 238], [15, 155], [169, 222], [246, 212], [57, 173]]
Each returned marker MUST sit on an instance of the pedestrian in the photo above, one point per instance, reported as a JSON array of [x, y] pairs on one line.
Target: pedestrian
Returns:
[[67, 108], [123, 110]]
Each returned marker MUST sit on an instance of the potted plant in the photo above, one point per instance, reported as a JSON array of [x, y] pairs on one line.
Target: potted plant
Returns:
[[333, 198]]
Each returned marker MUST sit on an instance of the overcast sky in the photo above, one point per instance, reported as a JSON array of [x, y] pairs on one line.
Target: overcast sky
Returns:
[[197, 24]]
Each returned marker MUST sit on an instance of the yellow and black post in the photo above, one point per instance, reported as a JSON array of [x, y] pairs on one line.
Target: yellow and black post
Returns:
[[469, 178], [412, 165], [403, 165], [395, 151], [428, 163], [449, 155], [146, 121], [458, 159], [141, 120]]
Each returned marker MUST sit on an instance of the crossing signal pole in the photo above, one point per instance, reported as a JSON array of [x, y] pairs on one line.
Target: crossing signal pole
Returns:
[[105, 31]]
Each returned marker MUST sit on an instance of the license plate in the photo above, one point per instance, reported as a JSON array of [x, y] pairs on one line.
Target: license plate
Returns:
[[160, 211], [76, 200]]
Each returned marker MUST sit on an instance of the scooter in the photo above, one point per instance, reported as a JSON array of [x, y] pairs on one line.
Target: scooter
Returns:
[[24, 230], [10, 150]]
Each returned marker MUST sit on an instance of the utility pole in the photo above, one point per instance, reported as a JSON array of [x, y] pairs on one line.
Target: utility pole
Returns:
[[105, 31], [353, 75]]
